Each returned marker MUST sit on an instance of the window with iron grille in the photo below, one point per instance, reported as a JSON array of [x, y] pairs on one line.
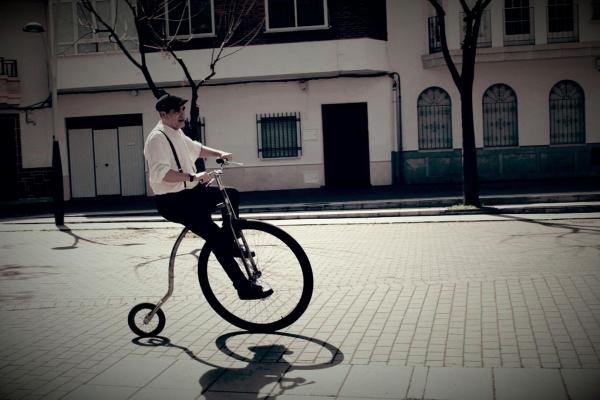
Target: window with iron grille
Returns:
[[279, 135], [189, 18], [202, 126], [296, 14], [202, 131], [563, 25], [518, 23], [435, 38], [8, 67], [434, 110], [567, 113], [500, 122]]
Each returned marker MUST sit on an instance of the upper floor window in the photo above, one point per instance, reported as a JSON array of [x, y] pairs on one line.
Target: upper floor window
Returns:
[[595, 10], [500, 123], [434, 110], [484, 36], [435, 37], [284, 15], [563, 22], [567, 113], [518, 23], [189, 18], [78, 31]]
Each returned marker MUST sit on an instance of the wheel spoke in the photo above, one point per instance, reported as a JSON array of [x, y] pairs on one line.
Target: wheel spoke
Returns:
[[284, 268]]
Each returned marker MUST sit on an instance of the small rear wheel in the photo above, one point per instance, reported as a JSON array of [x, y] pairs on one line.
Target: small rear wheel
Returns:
[[136, 320]]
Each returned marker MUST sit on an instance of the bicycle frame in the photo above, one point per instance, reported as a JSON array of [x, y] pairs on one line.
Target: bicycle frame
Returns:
[[229, 217]]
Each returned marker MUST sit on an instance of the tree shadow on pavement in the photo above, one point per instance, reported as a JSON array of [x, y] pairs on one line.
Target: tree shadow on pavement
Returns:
[[264, 374], [77, 239], [571, 228]]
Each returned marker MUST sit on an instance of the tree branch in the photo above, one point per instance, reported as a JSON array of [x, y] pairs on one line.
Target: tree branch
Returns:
[[441, 15], [465, 7], [88, 6]]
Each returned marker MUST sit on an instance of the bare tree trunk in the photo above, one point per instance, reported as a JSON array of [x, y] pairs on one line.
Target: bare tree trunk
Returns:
[[469, 156], [195, 126], [464, 83]]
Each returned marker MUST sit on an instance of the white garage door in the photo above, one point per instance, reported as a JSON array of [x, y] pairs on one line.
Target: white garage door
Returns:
[[131, 155], [81, 160], [107, 162]]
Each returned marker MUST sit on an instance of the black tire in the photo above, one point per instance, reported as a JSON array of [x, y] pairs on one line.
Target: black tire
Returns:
[[136, 320], [285, 268]]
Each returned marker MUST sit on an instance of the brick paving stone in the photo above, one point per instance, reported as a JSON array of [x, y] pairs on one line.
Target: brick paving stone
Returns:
[[377, 382], [526, 384], [459, 384], [461, 294], [582, 384]]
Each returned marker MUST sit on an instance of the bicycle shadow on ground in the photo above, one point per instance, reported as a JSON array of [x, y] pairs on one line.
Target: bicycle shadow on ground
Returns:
[[264, 375]]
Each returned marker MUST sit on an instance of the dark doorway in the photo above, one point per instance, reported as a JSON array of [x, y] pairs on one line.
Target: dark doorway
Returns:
[[346, 145], [8, 155]]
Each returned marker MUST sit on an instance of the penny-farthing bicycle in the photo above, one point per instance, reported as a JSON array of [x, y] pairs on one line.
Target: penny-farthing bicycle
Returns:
[[268, 256]]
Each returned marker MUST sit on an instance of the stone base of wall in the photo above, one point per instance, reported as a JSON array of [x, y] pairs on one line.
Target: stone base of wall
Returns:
[[497, 164]]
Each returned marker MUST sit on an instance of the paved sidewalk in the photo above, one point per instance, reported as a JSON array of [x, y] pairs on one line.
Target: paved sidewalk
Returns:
[[501, 306]]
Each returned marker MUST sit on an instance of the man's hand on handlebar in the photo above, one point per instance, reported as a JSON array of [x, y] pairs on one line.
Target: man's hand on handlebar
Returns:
[[202, 177], [226, 156]]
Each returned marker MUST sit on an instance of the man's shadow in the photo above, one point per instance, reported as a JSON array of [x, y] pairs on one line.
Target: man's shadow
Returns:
[[253, 377], [266, 367]]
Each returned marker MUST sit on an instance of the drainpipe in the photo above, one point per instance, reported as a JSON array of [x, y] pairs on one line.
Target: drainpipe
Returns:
[[397, 176]]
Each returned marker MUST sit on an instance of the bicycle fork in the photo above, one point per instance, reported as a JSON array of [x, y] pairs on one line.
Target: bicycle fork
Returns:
[[229, 215]]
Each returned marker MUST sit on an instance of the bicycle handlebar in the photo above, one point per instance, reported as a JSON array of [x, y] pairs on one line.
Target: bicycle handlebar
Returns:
[[222, 162]]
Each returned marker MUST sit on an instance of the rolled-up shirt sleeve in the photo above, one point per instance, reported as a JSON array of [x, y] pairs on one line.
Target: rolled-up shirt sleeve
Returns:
[[158, 160]]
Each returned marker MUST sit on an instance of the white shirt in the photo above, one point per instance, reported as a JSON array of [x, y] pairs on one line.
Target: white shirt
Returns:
[[160, 158]]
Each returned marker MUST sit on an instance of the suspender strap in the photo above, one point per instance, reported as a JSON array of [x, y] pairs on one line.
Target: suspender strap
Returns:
[[174, 155]]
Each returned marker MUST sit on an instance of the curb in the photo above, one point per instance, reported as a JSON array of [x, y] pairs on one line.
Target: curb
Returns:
[[569, 208], [520, 204], [427, 212], [487, 201]]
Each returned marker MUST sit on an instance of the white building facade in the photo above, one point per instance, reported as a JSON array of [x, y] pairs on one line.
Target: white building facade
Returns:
[[348, 93]]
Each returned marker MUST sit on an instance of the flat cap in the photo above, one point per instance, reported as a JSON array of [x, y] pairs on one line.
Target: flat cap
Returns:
[[168, 102]]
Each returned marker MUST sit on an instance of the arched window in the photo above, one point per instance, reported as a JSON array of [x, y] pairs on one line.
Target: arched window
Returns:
[[500, 122], [567, 113], [435, 119]]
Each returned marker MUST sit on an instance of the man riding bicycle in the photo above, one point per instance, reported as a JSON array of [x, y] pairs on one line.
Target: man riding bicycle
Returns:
[[182, 194]]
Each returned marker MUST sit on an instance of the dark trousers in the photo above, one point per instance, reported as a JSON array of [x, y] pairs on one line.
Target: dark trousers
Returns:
[[193, 208]]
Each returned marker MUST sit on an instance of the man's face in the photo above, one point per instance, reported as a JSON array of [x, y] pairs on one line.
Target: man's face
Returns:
[[175, 118]]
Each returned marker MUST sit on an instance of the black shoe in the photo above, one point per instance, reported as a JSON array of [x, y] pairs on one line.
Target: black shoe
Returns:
[[252, 291]]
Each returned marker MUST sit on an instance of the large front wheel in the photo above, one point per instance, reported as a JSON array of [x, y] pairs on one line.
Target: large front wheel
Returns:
[[283, 266]]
